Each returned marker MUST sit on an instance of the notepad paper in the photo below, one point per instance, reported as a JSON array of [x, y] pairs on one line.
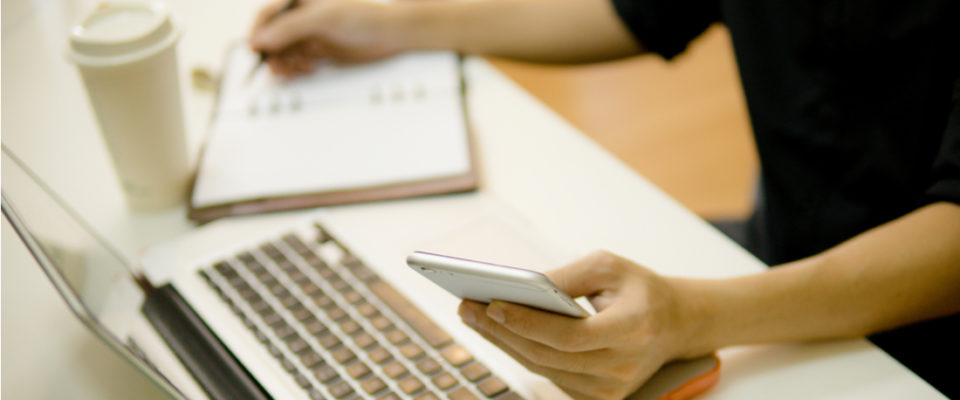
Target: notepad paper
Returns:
[[341, 128]]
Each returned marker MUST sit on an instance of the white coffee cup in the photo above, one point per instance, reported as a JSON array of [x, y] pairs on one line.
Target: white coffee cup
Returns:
[[126, 54]]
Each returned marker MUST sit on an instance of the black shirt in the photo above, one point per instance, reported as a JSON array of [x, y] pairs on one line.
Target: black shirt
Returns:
[[855, 105]]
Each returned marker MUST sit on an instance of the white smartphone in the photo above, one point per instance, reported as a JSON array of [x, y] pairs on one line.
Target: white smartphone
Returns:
[[485, 282]]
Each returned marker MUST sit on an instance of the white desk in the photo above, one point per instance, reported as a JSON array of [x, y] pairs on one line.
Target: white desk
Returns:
[[573, 192]]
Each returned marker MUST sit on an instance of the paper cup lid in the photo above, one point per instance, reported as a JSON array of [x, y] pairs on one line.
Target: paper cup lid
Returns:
[[119, 32]]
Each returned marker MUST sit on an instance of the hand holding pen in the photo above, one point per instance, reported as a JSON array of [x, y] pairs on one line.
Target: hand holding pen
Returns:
[[293, 35]]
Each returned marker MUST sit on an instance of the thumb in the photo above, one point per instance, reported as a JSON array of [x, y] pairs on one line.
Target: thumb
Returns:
[[284, 30], [587, 276]]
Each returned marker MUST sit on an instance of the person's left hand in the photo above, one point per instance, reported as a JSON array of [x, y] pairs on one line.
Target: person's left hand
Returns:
[[606, 356]]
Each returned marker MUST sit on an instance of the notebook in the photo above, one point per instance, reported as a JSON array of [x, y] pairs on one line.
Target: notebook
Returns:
[[343, 134], [313, 305]]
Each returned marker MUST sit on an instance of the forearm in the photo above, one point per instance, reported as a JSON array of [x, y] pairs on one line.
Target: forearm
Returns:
[[901, 272], [552, 31]]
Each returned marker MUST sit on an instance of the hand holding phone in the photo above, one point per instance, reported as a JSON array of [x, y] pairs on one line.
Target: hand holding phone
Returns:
[[485, 282]]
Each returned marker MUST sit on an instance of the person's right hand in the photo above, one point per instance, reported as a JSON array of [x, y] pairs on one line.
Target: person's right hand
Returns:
[[346, 31]]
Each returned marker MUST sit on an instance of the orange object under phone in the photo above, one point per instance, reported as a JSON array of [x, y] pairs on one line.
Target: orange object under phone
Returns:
[[681, 380]]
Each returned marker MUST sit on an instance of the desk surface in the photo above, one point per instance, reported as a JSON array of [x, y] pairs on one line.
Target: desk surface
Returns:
[[575, 193]]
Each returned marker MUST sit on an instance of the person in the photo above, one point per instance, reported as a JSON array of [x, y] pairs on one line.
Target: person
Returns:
[[855, 108]]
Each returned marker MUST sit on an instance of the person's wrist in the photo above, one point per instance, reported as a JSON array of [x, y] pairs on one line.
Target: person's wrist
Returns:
[[693, 318], [419, 26]]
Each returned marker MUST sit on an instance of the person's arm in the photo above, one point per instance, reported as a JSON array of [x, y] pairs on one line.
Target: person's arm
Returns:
[[558, 31], [901, 272], [905, 271]]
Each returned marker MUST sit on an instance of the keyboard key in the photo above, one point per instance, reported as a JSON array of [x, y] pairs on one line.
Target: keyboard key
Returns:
[[456, 355], [326, 272], [444, 381], [262, 337], [350, 327], [491, 386], [310, 288], [248, 293], [278, 290], [301, 380], [353, 297], [420, 322], [389, 396], [325, 373], [291, 303], [426, 396], [462, 393], [310, 359], [344, 355], [315, 327], [373, 385], [270, 250], [379, 355], [410, 384], [298, 345], [358, 370], [303, 314], [295, 243], [322, 236], [288, 267], [273, 319], [340, 389], [349, 260], [509, 395], [260, 307], [381, 323], [474, 371], [428, 365], [256, 267], [341, 285], [266, 278], [245, 257], [328, 341], [322, 300], [274, 351], [315, 394], [288, 365], [394, 369], [396, 336], [336, 313], [364, 340], [411, 351], [225, 269], [298, 277], [366, 309], [237, 282]]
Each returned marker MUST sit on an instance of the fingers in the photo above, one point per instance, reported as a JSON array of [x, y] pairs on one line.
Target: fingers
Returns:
[[298, 59], [589, 275], [267, 12], [547, 329], [569, 371], [279, 31]]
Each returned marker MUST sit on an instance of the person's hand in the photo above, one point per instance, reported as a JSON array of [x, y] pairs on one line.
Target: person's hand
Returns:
[[343, 30], [607, 356]]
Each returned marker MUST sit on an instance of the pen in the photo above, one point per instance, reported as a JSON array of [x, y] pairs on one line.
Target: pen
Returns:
[[291, 4]]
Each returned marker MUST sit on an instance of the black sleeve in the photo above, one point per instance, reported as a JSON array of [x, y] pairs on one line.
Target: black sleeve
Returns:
[[666, 26], [946, 167]]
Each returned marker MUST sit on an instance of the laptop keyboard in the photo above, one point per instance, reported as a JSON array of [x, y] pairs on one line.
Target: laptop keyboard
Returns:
[[340, 330]]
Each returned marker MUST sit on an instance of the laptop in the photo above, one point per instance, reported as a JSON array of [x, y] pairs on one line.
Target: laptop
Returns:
[[308, 305]]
